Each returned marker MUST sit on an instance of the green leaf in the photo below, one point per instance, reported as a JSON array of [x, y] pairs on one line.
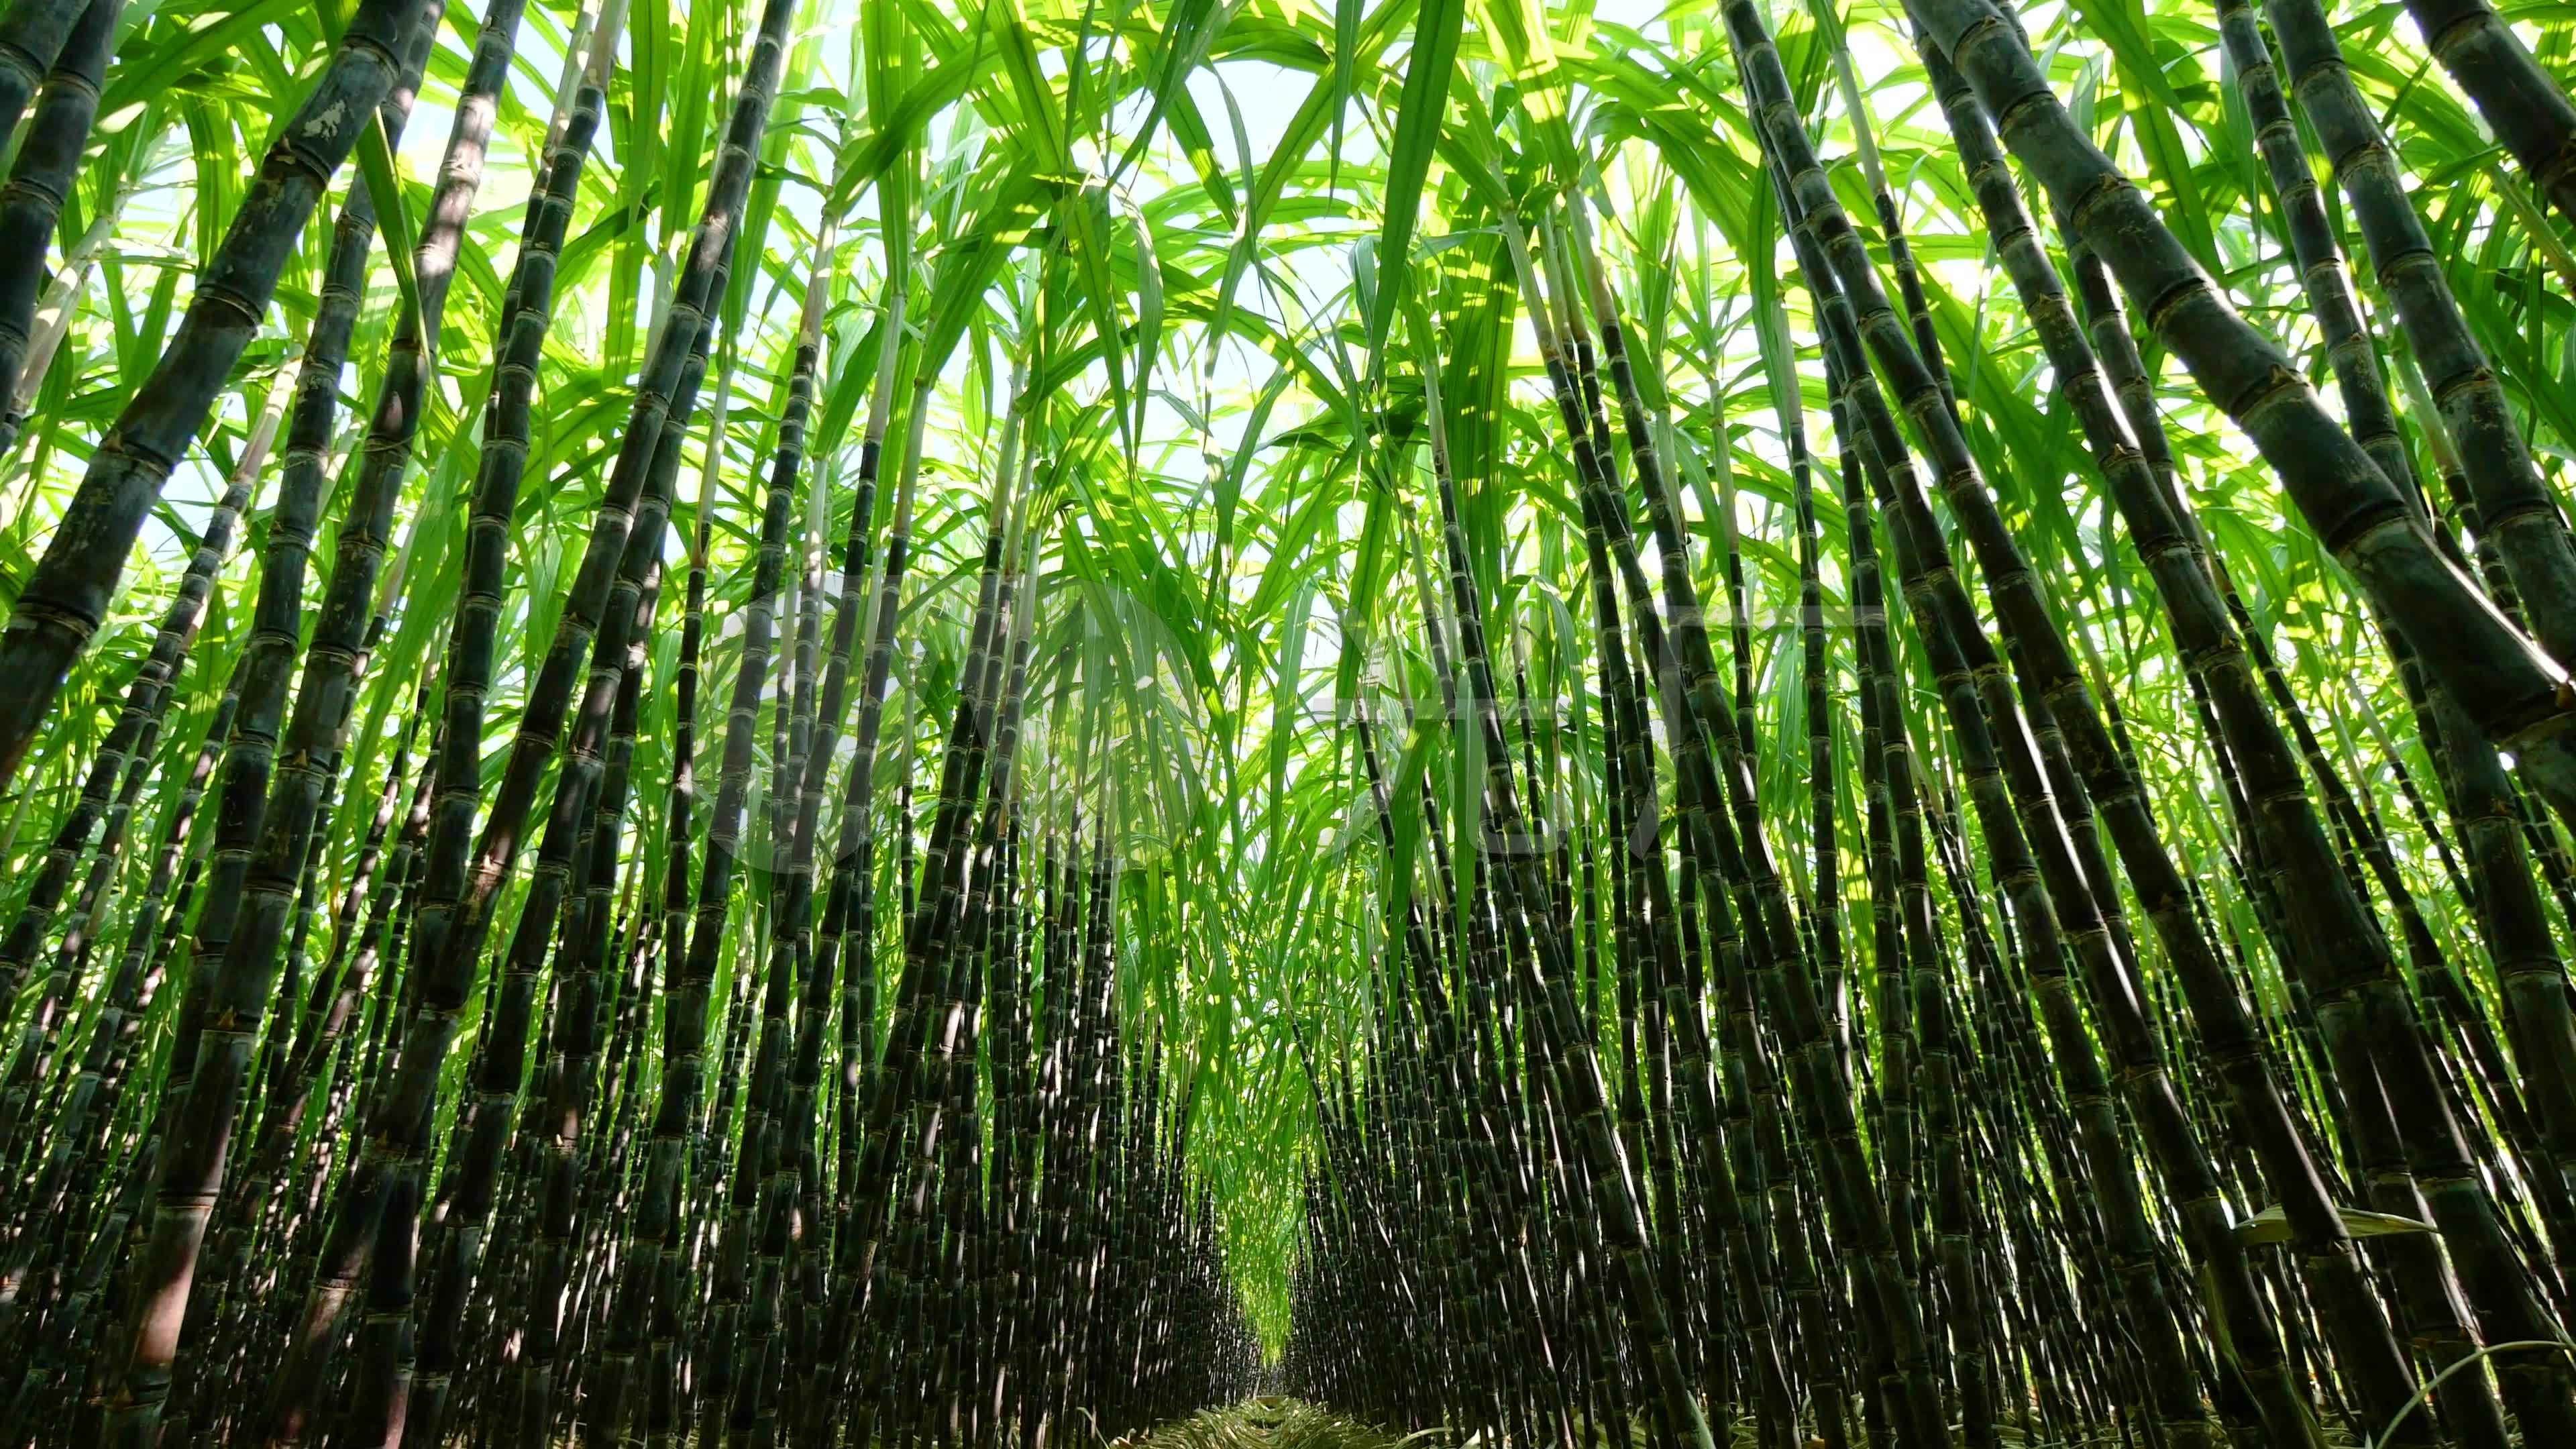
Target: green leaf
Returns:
[[1421, 116]]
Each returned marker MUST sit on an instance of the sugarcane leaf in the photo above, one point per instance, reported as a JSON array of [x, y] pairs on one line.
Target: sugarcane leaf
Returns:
[[393, 217], [1421, 117], [2272, 1225], [205, 39]]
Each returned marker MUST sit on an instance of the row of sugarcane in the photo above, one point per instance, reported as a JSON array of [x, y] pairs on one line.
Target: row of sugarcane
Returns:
[[1644, 1139], [530, 1124]]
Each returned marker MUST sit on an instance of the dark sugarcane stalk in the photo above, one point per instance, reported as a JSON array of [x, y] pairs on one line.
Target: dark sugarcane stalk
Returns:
[[1543, 976], [2232, 676], [225, 996], [2186, 589], [2291, 836], [1045, 1189], [451, 930], [2529, 972], [2313, 243], [1078, 1127], [2453, 471], [458, 907], [580, 955], [1636, 867], [2443, 849], [627, 1291], [2516, 511], [1898, 1127], [1647, 896], [32, 34], [289, 1065], [471, 641], [2470, 1043], [59, 1350], [1483, 1152], [37, 1222], [519, 343], [2525, 105], [1484, 1165], [45, 1025], [1884, 756], [912, 1096], [647, 1303], [2031, 631], [344, 638], [1713, 749], [2378, 1129], [1635, 769], [1901, 891], [984, 922], [949, 1416], [931, 934], [1015, 979], [48, 161], [2500, 679], [68, 592], [895, 1090], [269, 656], [848, 934], [743, 1324], [1049, 1143], [312, 1331], [582, 778], [2517, 518], [127, 749], [52, 319], [2026, 842], [827, 956], [334, 1001], [1688, 674], [758, 1202]]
